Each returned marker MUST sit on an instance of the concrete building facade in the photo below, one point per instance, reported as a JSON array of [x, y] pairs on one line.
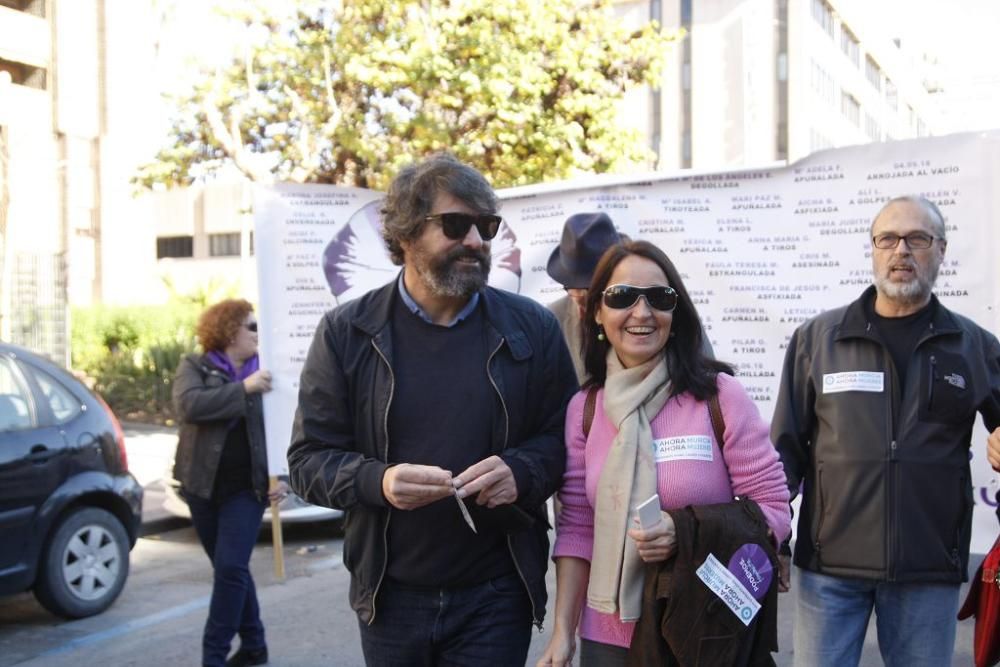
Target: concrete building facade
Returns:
[[48, 205], [79, 110], [759, 81]]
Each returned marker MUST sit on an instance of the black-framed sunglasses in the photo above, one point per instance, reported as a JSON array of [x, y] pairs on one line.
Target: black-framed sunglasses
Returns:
[[251, 327], [620, 297], [914, 241], [456, 225]]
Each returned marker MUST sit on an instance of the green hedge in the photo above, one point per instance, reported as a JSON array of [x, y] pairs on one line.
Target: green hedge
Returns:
[[130, 354]]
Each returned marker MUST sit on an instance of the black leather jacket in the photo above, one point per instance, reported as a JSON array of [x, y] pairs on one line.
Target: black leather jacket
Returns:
[[206, 403], [887, 485], [340, 439]]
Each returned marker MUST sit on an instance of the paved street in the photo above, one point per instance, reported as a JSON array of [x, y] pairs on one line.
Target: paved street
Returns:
[[158, 618]]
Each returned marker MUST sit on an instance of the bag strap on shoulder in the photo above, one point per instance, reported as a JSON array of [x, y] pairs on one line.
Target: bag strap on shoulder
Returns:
[[714, 411], [718, 423], [589, 405]]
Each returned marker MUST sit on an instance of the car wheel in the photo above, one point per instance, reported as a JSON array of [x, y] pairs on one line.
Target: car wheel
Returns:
[[85, 563]]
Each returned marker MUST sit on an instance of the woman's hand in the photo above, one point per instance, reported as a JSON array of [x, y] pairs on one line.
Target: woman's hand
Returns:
[[278, 492], [658, 543], [258, 382], [559, 652]]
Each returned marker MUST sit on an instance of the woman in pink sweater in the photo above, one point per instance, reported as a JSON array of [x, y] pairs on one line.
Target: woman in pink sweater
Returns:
[[651, 434]]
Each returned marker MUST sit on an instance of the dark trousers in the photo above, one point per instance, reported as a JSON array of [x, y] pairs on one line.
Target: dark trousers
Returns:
[[486, 624], [598, 654], [228, 531]]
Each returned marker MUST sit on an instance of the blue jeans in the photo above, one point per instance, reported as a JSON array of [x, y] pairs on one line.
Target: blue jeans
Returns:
[[915, 622], [486, 624], [228, 532]]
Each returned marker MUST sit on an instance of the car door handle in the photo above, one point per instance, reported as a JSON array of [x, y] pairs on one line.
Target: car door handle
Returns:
[[41, 454]]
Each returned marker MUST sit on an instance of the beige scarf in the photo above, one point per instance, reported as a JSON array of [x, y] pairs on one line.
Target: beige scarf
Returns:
[[632, 397]]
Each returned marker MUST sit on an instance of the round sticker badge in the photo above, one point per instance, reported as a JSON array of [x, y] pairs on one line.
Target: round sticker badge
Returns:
[[752, 568]]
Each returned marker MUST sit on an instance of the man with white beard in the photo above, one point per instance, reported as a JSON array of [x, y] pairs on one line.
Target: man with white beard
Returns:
[[874, 418]]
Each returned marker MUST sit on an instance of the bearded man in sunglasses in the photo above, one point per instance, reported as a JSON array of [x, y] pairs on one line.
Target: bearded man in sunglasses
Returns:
[[874, 418], [431, 411]]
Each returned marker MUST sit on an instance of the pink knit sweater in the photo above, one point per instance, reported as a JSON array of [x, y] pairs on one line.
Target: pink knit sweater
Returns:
[[686, 475]]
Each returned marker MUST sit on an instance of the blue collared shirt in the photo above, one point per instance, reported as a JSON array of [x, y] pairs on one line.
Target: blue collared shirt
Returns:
[[422, 314]]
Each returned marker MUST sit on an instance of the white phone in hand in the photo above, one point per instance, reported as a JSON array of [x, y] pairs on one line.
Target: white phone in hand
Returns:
[[648, 512]]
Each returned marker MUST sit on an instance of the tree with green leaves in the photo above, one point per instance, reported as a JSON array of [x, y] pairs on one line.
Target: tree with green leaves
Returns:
[[349, 91]]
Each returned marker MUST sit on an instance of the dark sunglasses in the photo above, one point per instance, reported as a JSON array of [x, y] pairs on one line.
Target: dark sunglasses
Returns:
[[456, 225], [251, 327], [620, 297]]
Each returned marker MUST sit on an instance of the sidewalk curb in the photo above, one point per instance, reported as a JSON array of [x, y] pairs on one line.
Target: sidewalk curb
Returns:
[[143, 427]]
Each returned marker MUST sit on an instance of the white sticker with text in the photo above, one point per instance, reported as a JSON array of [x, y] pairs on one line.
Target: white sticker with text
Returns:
[[834, 383], [683, 447], [728, 588]]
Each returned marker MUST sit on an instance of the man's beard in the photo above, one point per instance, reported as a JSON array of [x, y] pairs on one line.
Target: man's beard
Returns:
[[446, 278], [913, 292]]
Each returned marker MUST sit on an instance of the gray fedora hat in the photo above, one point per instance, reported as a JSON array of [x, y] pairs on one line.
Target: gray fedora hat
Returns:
[[585, 237]]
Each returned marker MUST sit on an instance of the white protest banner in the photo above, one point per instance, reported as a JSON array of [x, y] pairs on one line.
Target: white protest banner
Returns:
[[761, 251]]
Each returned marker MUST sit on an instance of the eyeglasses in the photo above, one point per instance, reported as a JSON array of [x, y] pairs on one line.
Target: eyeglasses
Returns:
[[620, 297], [456, 225], [914, 241], [251, 327]]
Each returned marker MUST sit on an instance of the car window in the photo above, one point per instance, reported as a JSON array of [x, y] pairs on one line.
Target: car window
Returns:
[[64, 405], [17, 412]]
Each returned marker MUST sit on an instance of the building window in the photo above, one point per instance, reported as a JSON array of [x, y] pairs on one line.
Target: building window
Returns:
[[818, 141], [891, 95], [687, 14], [822, 83], [849, 45], [781, 83], [823, 15], [872, 128], [174, 246], [24, 75], [873, 73], [224, 245], [850, 107]]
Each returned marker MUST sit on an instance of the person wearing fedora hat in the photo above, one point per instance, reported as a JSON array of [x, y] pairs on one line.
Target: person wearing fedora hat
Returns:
[[585, 237]]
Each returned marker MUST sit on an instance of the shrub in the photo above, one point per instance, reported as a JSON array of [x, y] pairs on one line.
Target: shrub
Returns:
[[130, 354]]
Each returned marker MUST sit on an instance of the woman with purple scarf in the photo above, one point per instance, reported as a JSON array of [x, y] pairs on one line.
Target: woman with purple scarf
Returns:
[[221, 463]]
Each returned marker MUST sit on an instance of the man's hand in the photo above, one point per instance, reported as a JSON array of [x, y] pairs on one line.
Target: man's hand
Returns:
[[408, 486], [491, 478], [657, 543], [784, 573], [993, 449], [784, 566], [258, 382]]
